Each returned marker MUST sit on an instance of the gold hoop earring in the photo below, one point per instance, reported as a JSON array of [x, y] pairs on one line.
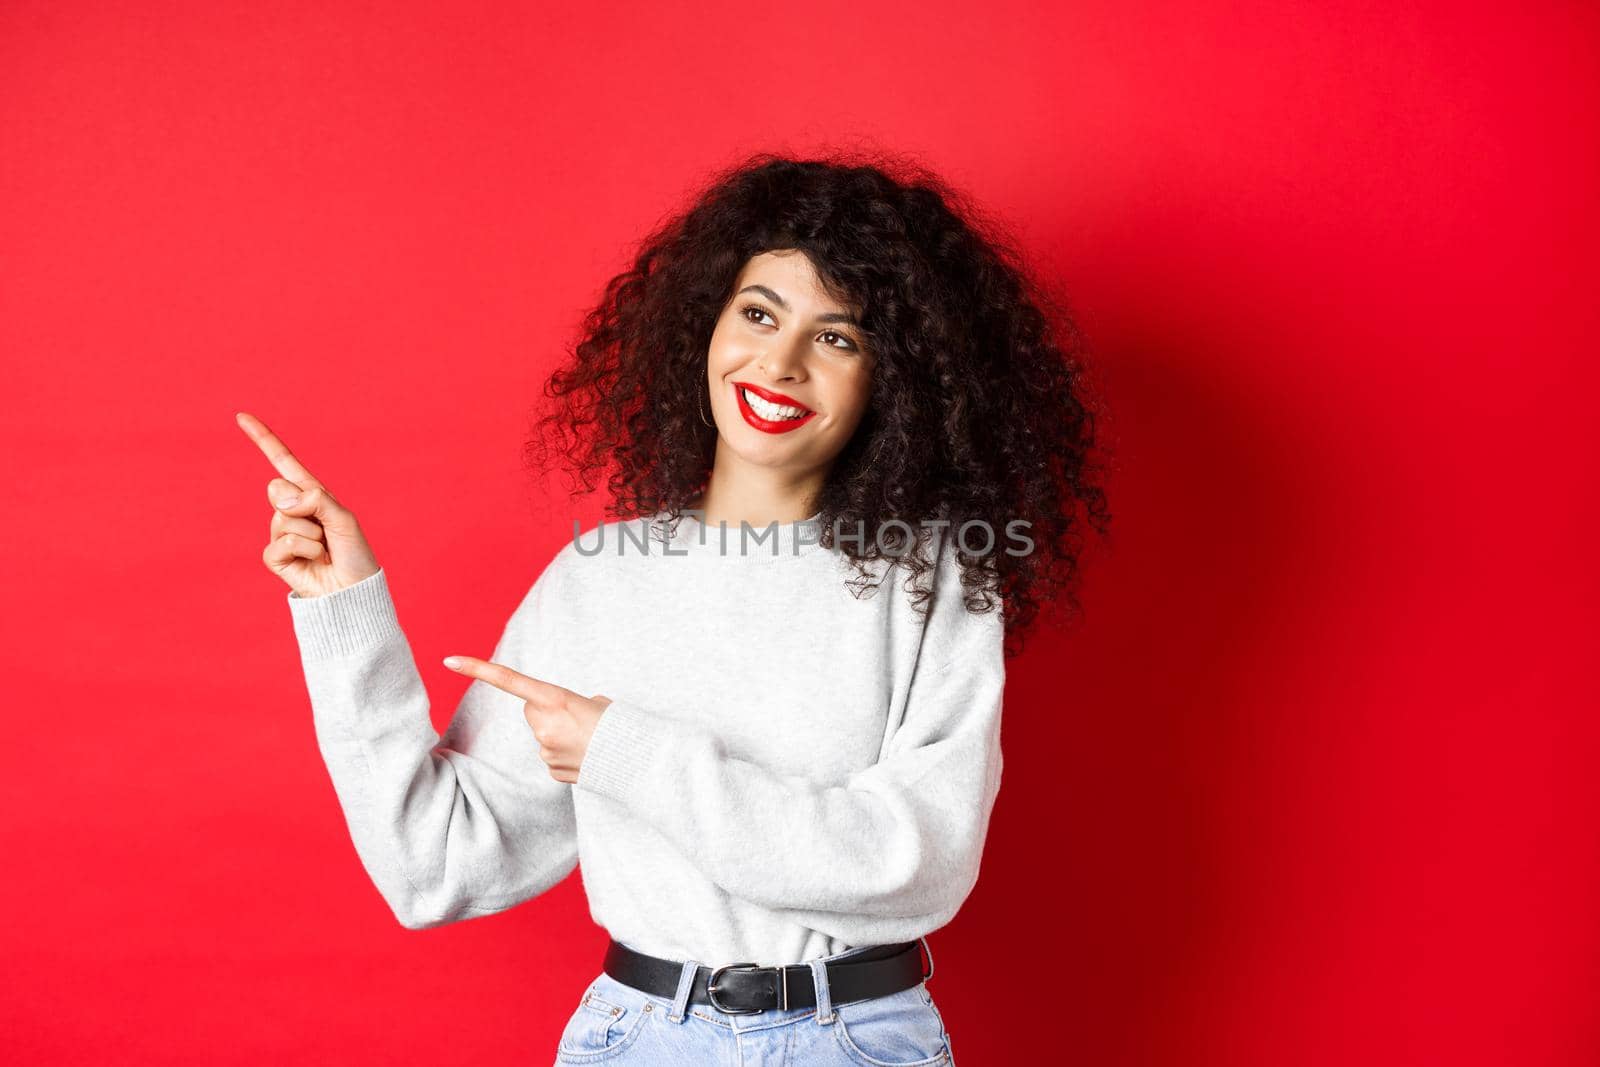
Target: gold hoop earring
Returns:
[[701, 403]]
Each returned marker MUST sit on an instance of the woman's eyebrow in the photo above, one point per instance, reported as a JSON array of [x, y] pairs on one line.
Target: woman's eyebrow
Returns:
[[832, 316]]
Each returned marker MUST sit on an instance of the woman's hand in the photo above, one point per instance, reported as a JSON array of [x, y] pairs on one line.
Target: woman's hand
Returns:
[[561, 720], [317, 546]]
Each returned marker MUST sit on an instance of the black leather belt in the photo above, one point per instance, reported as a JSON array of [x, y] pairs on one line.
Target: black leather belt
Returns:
[[744, 988]]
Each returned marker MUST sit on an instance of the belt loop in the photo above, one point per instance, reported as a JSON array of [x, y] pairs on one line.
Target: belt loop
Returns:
[[819, 978], [680, 1001]]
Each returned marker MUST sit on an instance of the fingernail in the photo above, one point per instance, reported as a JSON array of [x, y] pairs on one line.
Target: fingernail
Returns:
[[453, 662], [288, 501]]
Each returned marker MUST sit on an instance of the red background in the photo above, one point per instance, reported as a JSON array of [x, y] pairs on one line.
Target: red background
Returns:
[[1309, 785]]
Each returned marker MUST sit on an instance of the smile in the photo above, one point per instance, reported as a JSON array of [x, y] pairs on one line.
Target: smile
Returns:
[[769, 413]]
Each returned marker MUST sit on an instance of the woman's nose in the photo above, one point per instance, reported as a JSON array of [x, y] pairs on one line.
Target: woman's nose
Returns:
[[785, 360]]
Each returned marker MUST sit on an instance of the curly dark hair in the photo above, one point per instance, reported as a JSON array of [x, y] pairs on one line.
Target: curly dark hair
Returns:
[[980, 407]]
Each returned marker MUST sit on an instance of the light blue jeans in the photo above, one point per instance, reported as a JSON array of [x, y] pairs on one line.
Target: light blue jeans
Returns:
[[616, 1023]]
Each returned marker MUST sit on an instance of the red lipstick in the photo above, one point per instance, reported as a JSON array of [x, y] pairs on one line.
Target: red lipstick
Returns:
[[769, 425]]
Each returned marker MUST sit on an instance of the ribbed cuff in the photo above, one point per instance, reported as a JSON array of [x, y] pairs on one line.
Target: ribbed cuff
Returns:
[[342, 623], [624, 744]]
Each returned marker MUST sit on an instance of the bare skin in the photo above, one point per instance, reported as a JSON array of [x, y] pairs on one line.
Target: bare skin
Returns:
[[317, 546], [800, 351]]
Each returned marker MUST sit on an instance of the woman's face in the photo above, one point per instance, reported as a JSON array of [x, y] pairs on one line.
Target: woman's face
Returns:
[[786, 342]]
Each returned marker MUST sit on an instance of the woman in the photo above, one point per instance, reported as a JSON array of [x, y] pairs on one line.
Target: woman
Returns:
[[783, 779]]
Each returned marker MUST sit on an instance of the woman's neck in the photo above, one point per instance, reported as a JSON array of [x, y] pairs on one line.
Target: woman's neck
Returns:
[[757, 506]]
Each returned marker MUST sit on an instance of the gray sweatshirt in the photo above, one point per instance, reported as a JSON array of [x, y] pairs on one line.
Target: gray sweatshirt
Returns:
[[786, 771]]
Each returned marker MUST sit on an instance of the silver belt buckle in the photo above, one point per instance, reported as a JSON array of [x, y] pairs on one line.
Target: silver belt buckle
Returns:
[[711, 988]]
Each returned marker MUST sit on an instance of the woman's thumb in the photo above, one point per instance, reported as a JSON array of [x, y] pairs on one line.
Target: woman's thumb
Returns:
[[317, 503]]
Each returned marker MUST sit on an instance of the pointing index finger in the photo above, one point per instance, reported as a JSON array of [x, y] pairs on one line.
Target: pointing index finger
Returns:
[[501, 677], [276, 451]]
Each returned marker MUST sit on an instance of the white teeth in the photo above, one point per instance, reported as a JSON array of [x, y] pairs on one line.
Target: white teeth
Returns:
[[775, 412]]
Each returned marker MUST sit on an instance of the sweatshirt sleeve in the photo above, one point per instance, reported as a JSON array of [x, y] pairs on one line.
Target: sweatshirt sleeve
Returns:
[[889, 855], [448, 828]]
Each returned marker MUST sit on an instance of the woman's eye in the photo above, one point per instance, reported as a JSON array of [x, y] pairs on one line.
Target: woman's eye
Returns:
[[762, 312], [745, 311]]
